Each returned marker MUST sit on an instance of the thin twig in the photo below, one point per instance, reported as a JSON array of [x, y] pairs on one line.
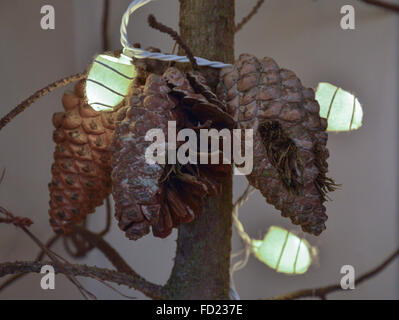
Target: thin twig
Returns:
[[17, 221], [382, 4], [2, 175], [55, 258], [114, 289], [40, 257], [253, 12], [108, 217], [110, 253], [37, 95], [85, 293], [82, 247], [149, 289], [175, 36], [105, 23], [324, 291]]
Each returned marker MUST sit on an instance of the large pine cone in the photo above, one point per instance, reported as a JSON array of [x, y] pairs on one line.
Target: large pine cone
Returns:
[[81, 173], [155, 195], [289, 137]]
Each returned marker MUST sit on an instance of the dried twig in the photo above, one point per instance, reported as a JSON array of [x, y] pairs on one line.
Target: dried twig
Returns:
[[323, 292], [105, 23], [82, 245], [108, 212], [37, 95], [383, 4], [138, 283], [111, 254], [92, 241], [175, 36], [85, 293], [55, 258], [253, 12], [19, 222], [40, 257], [2, 175]]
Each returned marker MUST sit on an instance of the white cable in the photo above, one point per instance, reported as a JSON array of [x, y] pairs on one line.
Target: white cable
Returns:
[[246, 239], [130, 51]]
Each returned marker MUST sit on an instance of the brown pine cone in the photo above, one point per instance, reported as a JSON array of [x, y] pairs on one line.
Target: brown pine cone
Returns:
[[155, 195], [289, 137], [198, 99], [81, 173]]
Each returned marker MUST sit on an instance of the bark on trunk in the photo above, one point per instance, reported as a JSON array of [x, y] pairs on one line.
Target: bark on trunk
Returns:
[[202, 262]]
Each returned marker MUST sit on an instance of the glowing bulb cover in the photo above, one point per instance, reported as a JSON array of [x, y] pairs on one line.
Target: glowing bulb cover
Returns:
[[109, 81], [283, 251], [341, 108]]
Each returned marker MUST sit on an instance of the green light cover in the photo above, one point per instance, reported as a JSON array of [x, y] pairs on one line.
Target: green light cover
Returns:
[[283, 251], [341, 108], [109, 81]]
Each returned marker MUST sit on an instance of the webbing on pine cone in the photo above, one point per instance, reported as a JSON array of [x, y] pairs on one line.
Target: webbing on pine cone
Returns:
[[290, 137]]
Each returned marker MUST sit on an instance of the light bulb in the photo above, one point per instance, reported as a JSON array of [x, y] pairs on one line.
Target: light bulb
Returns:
[[341, 108], [109, 81], [283, 251]]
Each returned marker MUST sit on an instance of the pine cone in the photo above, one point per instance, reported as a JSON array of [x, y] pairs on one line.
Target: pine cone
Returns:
[[81, 173], [197, 98], [289, 137], [154, 195]]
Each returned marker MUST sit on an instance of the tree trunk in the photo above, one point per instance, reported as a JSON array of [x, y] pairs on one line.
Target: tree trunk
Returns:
[[202, 262]]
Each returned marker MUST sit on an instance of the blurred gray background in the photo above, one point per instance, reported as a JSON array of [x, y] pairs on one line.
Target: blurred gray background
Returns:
[[304, 36]]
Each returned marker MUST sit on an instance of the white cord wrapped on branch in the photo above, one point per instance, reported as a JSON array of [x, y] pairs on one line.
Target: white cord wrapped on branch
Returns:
[[130, 51]]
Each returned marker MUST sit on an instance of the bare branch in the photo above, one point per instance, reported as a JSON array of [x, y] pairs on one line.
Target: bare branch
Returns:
[[40, 257], [112, 255], [93, 241], [17, 221], [105, 23], [37, 95], [53, 256], [108, 212], [82, 245], [383, 4], [2, 175], [150, 290], [323, 292], [253, 12]]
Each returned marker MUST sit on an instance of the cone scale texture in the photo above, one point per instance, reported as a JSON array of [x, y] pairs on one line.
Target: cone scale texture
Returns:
[[289, 137], [160, 196], [81, 172]]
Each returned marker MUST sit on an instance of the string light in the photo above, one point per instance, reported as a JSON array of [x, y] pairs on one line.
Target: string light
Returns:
[[130, 51], [110, 78], [281, 250], [109, 81], [341, 108]]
